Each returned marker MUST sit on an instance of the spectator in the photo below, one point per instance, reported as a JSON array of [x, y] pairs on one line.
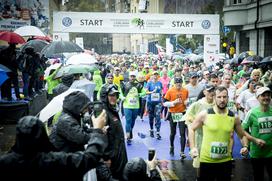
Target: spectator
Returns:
[[115, 154], [136, 169], [8, 59], [32, 156], [66, 82], [68, 135]]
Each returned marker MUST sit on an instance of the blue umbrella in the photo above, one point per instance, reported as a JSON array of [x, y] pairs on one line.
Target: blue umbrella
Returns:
[[3, 76], [4, 68]]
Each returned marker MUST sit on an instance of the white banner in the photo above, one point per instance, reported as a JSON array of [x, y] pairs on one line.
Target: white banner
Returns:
[[135, 23], [57, 36], [79, 42], [12, 24], [211, 49]]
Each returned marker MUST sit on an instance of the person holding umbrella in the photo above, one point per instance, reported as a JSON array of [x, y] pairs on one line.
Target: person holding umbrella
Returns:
[[8, 59]]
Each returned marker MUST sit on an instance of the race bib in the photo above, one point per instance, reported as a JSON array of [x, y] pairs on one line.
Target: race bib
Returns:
[[219, 150], [192, 100], [230, 104], [265, 125], [132, 101], [177, 117], [155, 97]]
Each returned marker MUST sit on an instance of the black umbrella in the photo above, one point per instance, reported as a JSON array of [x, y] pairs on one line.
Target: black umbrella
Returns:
[[242, 56], [266, 60], [38, 45], [254, 58], [57, 48]]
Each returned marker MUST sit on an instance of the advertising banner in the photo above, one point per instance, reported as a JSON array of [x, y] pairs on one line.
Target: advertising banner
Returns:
[[211, 49], [14, 14], [135, 23]]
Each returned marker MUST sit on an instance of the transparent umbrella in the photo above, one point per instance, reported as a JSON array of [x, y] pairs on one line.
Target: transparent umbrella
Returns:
[[81, 58], [76, 69], [29, 31], [55, 105]]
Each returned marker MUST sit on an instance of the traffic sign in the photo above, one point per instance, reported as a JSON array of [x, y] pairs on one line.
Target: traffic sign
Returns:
[[226, 29]]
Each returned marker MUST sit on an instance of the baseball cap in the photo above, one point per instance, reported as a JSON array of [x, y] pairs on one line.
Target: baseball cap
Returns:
[[113, 91], [155, 72], [262, 90], [178, 80], [146, 66], [209, 87], [206, 72], [132, 73], [193, 74]]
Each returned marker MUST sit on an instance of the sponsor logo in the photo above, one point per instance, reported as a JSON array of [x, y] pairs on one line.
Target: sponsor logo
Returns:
[[206, 24], [66, 21], [138, 22]]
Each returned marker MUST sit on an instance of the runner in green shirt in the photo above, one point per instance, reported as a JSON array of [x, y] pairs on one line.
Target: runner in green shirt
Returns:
[[259, 121]]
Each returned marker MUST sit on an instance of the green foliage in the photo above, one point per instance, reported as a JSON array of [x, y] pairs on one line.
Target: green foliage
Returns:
[[162, 40], [85, 6]]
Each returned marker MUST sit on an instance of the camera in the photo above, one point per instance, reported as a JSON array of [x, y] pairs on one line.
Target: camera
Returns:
[[97, 108], [151, 153]]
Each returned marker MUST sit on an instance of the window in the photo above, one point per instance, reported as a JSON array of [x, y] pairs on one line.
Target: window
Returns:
[[237, 1]]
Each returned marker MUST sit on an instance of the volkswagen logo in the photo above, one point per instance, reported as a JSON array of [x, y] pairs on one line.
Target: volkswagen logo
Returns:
[[206, 24], [66, 21]]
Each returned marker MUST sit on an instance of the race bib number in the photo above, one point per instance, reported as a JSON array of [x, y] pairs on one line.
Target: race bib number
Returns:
[[132, 101], [177, 117], [155, 97], [219, 150], [192, 100], [230, 104], [265, 125]]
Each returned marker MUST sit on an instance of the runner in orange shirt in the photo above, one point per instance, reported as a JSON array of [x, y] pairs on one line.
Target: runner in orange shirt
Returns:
[[176, 99]]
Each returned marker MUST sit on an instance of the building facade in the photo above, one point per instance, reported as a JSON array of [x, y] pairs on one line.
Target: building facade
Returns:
[[120, 42], [252, 22]]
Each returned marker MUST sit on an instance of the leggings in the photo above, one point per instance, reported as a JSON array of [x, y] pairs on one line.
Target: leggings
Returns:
[[173, 127]]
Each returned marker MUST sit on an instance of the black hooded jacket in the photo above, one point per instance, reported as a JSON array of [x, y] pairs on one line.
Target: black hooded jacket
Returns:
[[116, 150], [66, 82], [32, 158], [68, 135], [136, 169]]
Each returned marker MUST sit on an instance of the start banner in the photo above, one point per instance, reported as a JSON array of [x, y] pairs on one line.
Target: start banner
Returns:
[[135, 23]]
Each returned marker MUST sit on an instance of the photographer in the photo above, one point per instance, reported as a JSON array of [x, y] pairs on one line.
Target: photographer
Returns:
[[136, 169], [32, 156], [68, 135], [115, 155]]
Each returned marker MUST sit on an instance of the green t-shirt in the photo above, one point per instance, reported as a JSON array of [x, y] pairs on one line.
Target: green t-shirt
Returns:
[[260, 124], [241, 73], [170, 73]]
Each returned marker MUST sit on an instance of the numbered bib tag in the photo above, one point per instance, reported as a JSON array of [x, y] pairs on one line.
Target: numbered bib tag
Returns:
[[230, 104], [177, 117], [219, 150], [132, 101], [192, 100], [155, 97], [265, 125]]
